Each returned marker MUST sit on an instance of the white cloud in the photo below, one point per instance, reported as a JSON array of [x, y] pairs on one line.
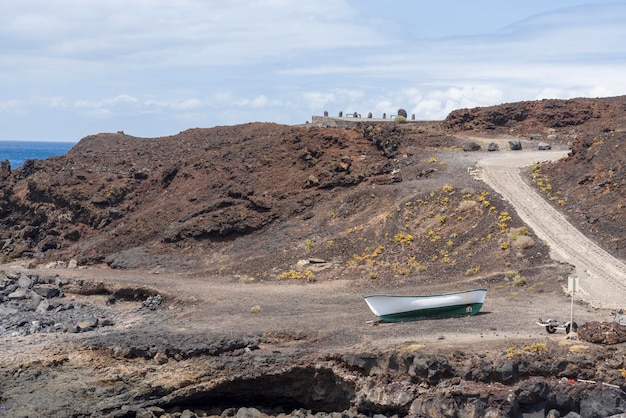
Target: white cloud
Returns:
[[10, 106], [432, 104], [257, 102], [121, 99], [190, 104], [318, 100], [162, 65], [438, 104], [179, 33]]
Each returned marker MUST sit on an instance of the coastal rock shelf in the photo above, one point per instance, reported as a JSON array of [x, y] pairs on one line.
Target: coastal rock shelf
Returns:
[[31, 304]]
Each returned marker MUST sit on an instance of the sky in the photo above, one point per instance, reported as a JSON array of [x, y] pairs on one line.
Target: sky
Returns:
[[151, 68]]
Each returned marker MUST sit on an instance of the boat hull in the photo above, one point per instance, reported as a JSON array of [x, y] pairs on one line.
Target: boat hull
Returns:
[[395, 308]]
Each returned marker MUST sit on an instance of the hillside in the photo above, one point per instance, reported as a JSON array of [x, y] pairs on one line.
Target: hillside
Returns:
[[589, 186], [256, 198], [221, 270]]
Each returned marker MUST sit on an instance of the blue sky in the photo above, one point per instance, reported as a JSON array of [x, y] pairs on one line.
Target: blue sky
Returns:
[[71, 68]]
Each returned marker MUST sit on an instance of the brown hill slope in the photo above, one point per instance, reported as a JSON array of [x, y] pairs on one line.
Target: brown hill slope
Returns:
[[568, 117], [388, 200], [590, 187], [376, 201], [118, 191]]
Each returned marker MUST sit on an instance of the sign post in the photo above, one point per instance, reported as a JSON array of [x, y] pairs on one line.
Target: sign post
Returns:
[[572, 286]]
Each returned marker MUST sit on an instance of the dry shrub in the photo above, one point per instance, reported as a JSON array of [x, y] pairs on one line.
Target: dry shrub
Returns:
[[522, 230], [466, 205], [412, 347], [519, 281], [523, 242]]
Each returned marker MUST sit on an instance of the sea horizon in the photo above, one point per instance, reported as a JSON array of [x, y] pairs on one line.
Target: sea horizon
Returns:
[[17, 151]]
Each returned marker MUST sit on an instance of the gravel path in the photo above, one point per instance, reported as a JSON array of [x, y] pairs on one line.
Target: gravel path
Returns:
[[602, 277]]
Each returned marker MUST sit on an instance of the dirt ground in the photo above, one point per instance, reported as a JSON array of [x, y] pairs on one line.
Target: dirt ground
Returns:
[[332, 313]]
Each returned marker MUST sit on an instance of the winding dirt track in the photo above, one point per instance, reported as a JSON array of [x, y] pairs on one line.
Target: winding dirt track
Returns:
[[602, 277]]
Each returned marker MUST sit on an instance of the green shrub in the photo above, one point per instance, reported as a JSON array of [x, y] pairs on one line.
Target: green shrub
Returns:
[[294, 274], [400, 119], [519, 281]]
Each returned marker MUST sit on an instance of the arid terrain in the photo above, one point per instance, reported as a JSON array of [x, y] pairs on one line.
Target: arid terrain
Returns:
[[220, 271]]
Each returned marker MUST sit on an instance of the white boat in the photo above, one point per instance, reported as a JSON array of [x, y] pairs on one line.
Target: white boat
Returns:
[[397, 308]]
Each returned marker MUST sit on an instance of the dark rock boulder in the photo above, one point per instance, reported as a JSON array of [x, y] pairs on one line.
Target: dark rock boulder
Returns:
[[47, 291], [515, 144], [471, 146]]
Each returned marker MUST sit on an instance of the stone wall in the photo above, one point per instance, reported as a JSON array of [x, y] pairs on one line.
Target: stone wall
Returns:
[[349, 121]]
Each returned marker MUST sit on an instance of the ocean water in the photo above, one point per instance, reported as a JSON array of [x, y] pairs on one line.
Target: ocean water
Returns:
[[19, 151]]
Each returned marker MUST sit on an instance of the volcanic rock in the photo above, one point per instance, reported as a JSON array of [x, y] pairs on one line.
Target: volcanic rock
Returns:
[[607, 333], [471, 146], [515, 144], [493, 147]]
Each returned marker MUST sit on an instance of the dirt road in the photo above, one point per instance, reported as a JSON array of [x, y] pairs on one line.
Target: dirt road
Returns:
[[602, 277]]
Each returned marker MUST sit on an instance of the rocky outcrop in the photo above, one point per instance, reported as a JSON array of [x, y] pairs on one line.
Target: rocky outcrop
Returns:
[[532, 117], [246, 377], [31, 304], [607, 333]]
